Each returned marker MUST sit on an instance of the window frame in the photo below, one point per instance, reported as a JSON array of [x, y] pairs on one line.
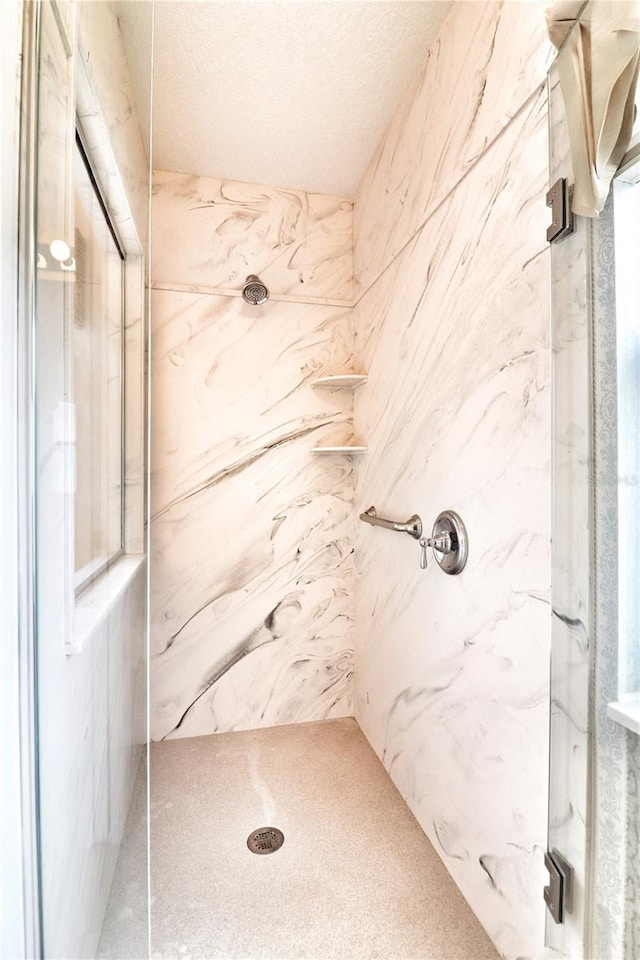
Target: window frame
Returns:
[[119, 169], [91, 572]]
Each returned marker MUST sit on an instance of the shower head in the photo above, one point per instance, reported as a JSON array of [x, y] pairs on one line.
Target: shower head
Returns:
[[254, 291]]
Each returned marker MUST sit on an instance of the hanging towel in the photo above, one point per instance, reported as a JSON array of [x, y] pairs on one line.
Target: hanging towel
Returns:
[[598, 70]]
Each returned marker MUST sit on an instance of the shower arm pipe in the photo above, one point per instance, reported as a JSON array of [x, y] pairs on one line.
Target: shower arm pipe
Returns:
[[412, 526]]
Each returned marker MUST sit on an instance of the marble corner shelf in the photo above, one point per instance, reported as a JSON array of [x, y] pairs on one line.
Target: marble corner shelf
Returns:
[[340, 381], [347, 448]]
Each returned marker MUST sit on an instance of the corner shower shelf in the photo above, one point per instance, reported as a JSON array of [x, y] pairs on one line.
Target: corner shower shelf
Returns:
[[341, 381], [347, 448]]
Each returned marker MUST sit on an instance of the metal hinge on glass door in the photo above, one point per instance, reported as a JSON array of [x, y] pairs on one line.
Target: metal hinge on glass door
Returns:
[[563, 221], [557, 895]]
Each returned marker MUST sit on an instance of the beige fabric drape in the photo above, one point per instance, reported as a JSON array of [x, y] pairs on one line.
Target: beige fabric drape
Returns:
[[598, 76]]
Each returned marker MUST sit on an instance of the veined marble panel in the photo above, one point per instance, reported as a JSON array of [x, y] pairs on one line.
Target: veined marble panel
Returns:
[[212, 233], [252, 536], [488, 60], [453, 672]]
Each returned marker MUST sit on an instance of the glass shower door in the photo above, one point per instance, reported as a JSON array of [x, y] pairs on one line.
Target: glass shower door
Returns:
[[594, 814], [571, 632], [90, 320]]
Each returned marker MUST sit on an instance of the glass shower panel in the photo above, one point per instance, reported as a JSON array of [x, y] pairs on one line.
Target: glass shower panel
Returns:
[[97, 347], [89, 319], [594, 816], [63, 816], [571, 546]]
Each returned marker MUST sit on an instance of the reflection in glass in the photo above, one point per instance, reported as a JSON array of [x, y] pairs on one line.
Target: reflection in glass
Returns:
[[97, 343]]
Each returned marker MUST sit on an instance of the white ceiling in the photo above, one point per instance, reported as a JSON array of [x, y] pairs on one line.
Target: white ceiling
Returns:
[[292, 93]]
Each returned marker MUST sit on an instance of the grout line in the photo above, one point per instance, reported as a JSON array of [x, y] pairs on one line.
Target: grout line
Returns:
[[431, 213], [226, 292], [356, 298]]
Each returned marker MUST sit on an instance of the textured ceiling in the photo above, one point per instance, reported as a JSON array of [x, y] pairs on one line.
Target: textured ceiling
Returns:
[[294, 93]]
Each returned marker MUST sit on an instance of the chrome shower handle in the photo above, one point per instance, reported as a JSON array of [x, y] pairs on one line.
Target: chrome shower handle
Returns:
[[448, 538], [412, 526], [441, 543]]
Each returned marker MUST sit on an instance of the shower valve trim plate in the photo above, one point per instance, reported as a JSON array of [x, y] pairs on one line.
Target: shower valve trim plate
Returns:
[[448, 538]]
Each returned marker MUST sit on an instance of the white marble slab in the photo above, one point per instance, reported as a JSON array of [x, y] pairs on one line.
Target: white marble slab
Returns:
[[452, 676], [489, 58], [213, 233], [251, 535]]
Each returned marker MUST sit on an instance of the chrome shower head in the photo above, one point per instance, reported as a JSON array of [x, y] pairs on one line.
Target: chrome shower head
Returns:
[[254, 291]]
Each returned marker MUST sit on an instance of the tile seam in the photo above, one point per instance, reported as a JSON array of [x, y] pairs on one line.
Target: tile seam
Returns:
[[431, 213]]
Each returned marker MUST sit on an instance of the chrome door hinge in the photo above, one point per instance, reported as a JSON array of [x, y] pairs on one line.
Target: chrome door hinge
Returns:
[[563, 221], [557, 895]]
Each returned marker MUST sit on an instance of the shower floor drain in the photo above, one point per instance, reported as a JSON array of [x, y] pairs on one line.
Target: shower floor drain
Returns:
[[265, 840]]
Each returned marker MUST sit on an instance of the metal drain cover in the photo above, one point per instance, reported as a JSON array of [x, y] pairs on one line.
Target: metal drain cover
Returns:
[[265, 840]]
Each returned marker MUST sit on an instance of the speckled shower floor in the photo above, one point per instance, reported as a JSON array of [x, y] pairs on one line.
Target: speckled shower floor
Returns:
[[356, 877]]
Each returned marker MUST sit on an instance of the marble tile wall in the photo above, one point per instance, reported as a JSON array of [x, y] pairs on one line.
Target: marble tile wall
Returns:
[[252, 535], [221, 230], [457, 105], [452, 674]]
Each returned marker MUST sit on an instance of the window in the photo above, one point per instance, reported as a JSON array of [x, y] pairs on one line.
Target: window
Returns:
[[96, 350]]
